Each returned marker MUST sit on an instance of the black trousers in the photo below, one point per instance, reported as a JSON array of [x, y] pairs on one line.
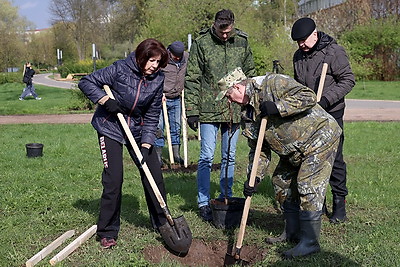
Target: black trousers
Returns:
[[338, 177], [108, 224]]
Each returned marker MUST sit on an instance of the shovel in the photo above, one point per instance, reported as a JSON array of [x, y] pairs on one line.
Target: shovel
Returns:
[[175, 232], [247, 203]]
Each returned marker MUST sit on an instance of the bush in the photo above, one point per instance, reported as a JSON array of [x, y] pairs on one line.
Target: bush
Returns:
[[79, 101], [84, 66], [10, 77]]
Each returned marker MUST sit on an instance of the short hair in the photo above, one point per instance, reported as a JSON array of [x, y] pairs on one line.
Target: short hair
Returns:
[[151, 48], [224, 18]]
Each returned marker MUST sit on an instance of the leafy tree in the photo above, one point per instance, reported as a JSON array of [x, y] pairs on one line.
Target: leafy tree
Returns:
[[12, 30], [41, 49], [376, 47]]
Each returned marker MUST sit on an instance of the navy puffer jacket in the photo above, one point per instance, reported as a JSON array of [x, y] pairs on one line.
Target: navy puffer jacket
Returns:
[[138, 95]]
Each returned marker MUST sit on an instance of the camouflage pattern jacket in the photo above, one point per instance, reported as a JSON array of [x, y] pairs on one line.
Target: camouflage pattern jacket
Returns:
[[209, 60], [301, 126]]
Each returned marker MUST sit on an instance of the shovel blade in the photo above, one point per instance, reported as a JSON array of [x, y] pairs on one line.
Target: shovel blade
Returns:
[[177, 237]]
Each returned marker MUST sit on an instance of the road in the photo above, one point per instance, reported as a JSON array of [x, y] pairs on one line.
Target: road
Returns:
[[356, 110]]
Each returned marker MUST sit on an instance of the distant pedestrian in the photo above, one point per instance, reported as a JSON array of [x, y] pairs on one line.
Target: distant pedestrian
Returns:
[[29, 90]]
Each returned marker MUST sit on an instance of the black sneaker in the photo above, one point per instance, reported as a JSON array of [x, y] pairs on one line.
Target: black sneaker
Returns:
[[206, 213]]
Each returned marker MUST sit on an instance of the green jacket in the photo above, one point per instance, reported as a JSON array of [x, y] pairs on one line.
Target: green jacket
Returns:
[[209, 60]]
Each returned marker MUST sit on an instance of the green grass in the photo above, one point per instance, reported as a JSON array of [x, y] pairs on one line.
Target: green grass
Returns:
[[54, 100], [41, 198], [375, 90]]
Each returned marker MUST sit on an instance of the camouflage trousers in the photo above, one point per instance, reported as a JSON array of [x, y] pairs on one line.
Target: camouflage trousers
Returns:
[[303, 177]]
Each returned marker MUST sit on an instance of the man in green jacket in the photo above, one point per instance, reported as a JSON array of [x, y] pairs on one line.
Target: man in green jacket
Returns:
[[218, 50]]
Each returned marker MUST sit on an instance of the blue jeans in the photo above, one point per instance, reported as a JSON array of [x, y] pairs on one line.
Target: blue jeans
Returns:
[[29, 90], [209, 133], [174, 118]]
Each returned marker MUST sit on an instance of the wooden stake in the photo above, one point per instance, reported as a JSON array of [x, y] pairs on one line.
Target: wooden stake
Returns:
[[73, 245], [184, 131], [168, 130], [47, 250]]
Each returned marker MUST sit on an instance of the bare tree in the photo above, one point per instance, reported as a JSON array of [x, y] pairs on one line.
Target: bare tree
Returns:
[[85, 19]]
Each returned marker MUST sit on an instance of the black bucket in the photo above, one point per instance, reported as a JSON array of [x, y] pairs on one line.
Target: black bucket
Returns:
[[34, 150], [227, 215]]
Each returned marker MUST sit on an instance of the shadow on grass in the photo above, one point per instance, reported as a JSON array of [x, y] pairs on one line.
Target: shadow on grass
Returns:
[[323, 258], [129, 208]]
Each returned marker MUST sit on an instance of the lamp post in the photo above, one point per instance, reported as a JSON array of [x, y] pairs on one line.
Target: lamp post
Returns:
[[94, 56], [58, 57]]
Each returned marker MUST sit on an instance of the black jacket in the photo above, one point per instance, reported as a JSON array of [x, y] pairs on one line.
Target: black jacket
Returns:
[[339, 78], [28, 75], [138, 95]]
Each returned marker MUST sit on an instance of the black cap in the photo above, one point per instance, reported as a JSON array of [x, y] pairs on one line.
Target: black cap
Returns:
[[302, 28], [177, 48]]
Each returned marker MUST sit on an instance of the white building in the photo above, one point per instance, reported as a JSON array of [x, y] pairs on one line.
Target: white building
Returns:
[[308, 6]]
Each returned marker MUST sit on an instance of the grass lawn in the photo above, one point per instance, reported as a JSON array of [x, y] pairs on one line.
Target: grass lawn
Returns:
[[54, 100], [41, 198], [375, 90]]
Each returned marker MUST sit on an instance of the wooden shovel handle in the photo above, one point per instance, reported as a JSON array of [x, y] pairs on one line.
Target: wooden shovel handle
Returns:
[[322, 81], [140, 158], [252, 179]]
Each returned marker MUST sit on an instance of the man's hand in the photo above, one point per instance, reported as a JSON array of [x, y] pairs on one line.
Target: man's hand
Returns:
[[145, 154], [268, 108], [112, 106], [324, 103], [248, 190], [193, 122]]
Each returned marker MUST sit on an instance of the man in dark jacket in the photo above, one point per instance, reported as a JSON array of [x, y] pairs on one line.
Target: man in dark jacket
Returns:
[[29, 89], [316, 48], [217, 51], [173, 85]]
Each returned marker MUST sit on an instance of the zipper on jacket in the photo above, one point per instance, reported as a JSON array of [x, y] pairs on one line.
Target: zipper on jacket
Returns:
[[136, 100]]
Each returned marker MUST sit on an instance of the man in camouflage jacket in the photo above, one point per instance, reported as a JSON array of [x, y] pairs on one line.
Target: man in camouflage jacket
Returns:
[[217, 50], [304, 136]]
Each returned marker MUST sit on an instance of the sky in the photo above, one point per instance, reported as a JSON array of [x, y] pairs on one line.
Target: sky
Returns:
[[36, 11]]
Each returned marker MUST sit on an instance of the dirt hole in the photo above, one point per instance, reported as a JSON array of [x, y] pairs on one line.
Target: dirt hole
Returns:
[[216, 253]]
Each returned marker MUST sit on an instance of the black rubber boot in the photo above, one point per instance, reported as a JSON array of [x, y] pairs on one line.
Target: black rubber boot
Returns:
[[176, 154], [309, 236], [325, 209], [291, 231], [159, 154], [338, 210]]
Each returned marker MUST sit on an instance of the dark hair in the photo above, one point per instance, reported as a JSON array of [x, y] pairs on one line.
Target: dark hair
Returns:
[[151, 48], [224, 18]]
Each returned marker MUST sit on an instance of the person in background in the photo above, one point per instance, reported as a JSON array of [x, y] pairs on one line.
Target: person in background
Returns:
[[304, 136], [316, 48], [218, 50], [27, 79], [173, 85], [137, 85]]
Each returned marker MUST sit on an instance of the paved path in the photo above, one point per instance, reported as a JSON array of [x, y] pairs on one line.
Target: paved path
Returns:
[[44, 79], [356, 110]]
